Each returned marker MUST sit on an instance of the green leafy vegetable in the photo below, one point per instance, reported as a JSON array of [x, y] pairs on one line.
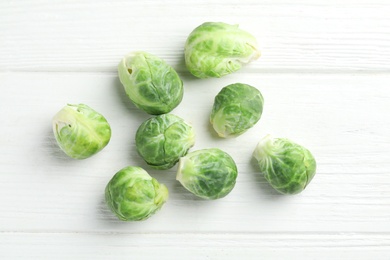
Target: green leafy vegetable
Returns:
[[208, 173], [216, 49], [150, 83], [287, 166], [80, 131], [133, 195], [237, 107], [163, 139]]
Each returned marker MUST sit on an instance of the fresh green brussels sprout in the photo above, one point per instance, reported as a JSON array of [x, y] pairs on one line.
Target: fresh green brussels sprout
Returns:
[[216, 49], [208, 173], [150, 83], [133, 195], [237, 107], [163, 139], [80, 131], [287, 166]]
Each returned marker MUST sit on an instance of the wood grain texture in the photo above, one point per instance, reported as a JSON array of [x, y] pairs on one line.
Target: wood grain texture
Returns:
[[324, 75], [94, 35], [195, 246]]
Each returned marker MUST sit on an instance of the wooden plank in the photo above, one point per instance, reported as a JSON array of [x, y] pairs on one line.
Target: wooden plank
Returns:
[[94, 35], [194, 246], [342, 119]]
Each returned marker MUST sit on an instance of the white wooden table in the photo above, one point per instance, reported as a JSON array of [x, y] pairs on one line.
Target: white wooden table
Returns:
[[325, 77]]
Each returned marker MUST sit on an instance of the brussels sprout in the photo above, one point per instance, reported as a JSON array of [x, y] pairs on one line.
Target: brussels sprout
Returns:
[[163, 139], [208, 173], [217, 49], [237, 107], [80, 131], [132, 194], [150, 83], [287, 166]]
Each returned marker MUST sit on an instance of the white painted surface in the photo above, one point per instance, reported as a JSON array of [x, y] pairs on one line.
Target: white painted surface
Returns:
[[325, 78]]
